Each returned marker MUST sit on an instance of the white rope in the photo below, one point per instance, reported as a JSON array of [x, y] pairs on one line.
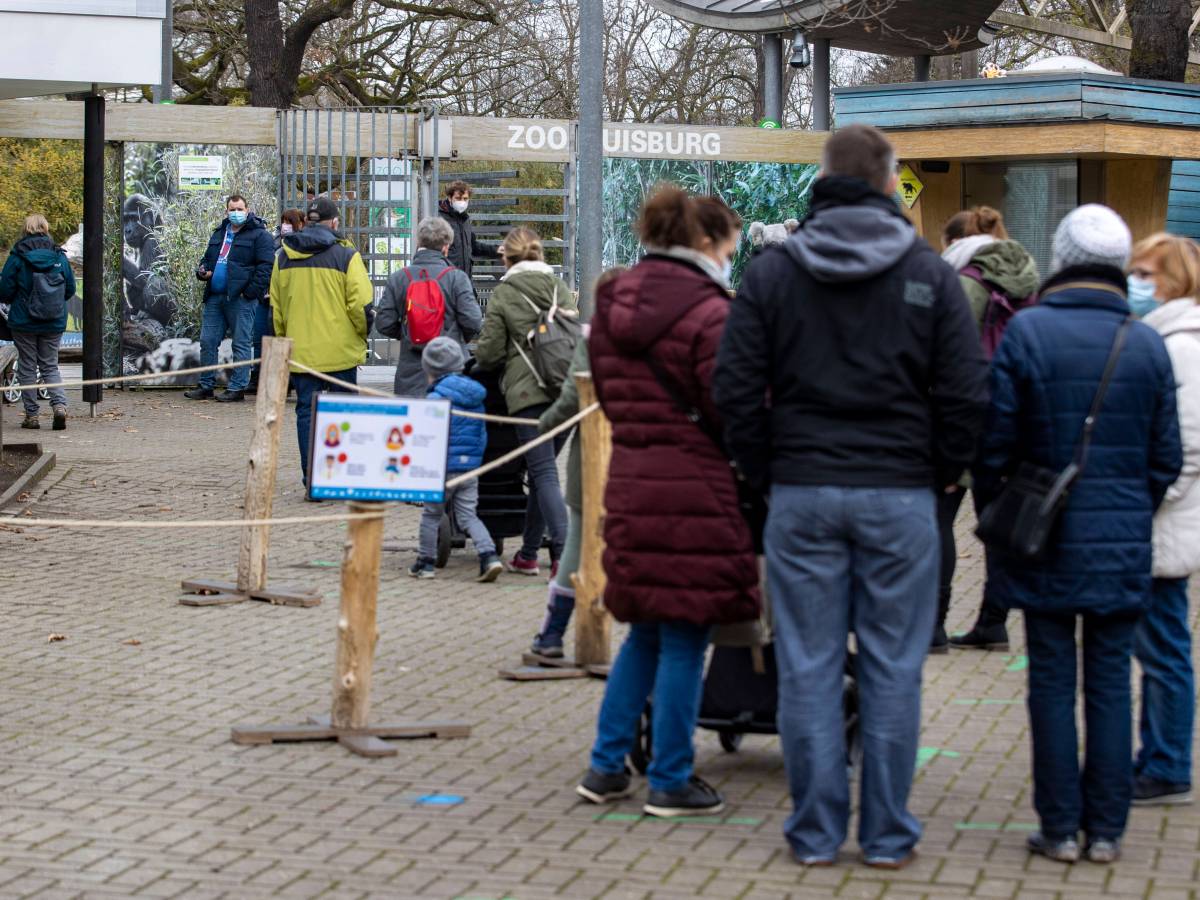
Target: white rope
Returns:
[[13, 522], [145, 376], [372, 392], [520, 451]]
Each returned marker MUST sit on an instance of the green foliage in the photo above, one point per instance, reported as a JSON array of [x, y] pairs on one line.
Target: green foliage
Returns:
[[763, 192], [627, 182], [43, 176]]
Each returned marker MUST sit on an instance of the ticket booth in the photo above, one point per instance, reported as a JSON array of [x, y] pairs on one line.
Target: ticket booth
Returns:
[[1035, 147]]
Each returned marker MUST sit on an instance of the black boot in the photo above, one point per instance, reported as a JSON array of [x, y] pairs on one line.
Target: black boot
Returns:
[[982, 637], [558, 616]]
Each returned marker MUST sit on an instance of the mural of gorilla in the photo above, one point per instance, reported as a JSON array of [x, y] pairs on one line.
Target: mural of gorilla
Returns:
[[148, 301]]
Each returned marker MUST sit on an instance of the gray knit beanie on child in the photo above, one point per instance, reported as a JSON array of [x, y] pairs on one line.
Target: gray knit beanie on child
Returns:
[[1091, 235], [442, 356]]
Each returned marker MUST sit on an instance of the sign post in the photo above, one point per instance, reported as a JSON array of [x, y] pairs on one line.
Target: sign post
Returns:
[[367, 451]]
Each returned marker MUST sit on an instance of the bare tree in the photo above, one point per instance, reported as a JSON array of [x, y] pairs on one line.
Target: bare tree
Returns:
[[1160, 38]]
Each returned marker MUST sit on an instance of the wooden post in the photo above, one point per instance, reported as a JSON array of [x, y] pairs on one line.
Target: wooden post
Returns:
[[593, 624], [264, 456], [356, 630]]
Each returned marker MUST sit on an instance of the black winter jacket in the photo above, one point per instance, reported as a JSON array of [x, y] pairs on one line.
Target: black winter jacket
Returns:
[[850, 357], [466, 246], [250, 259]]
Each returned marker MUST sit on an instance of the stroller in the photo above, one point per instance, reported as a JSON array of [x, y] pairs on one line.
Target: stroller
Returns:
[[738, 700], [502, 495]]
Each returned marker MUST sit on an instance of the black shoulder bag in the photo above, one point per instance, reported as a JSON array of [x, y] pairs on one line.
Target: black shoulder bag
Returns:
[[751, 504], [1021, 521]]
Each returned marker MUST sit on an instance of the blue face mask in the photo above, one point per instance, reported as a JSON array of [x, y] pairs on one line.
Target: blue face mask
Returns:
[[238, 217], [1141, 296]]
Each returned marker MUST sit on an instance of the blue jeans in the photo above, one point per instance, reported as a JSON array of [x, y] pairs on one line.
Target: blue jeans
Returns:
[[1097, 803], [1162, 643], [223, 315], [545, 510], [668, 659], [307, 387], [264, 326], [842, 559]]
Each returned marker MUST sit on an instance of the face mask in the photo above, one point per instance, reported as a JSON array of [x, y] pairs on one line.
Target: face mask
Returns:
[[238, 217], [1141, 296], [460, 206], [285, 228]]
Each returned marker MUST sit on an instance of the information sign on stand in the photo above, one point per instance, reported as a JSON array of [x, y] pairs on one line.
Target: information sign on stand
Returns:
[[379, 449]]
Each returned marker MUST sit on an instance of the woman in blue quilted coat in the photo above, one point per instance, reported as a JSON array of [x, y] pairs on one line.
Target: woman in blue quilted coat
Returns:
[[1044, 379]]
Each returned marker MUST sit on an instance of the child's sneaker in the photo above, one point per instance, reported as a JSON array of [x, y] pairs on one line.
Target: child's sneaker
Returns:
[[423, 568], [490, 567], [523, 566]]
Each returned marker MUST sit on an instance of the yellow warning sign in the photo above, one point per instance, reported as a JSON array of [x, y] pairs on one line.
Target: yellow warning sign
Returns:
[[910, 186]]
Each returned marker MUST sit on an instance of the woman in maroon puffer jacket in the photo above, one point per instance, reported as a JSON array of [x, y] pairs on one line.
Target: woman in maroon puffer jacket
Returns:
[[679, 555]]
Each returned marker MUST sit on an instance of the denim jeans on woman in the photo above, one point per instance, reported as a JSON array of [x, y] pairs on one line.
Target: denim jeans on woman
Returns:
[[1098, 802], [843, 559], [37, 354], [667, 659], [1163, 646], [545, 510]]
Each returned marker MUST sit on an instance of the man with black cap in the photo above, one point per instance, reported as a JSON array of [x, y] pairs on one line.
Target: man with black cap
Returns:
[[320, 291]]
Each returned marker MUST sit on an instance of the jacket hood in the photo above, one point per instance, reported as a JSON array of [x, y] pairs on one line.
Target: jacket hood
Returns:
[[1175, 317], [1009, 266], [641, 305], [535, 280], [460, 390], [960, 253], [309, 242], [424, 256], [38, 250], [853, 232]]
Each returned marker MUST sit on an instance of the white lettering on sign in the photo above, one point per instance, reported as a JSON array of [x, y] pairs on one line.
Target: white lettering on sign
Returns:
[[621, 140]]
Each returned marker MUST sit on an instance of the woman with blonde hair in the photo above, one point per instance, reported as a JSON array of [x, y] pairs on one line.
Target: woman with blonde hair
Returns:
[[37, 281], [1164, 290], [527, 289]]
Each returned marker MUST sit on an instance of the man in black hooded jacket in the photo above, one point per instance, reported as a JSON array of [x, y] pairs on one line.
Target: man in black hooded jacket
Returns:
[[852, 387]]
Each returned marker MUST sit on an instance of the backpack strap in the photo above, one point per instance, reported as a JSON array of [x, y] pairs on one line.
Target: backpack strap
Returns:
[[443, 272]]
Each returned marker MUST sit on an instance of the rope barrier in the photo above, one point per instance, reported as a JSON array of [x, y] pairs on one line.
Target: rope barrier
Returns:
[[372, 392], [13, 522], [521, 451], [144, 376]]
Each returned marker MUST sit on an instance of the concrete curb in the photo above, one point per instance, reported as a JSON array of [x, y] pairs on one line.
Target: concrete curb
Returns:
[[35, 473]]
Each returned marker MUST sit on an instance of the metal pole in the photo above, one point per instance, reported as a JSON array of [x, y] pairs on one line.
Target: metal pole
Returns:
[[820, 69], [772, 86], [162, 91], [591, 149], [921, 68], [93, 247]]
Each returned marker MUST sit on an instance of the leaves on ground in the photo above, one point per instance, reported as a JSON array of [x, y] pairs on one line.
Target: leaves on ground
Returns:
[[55, 637]]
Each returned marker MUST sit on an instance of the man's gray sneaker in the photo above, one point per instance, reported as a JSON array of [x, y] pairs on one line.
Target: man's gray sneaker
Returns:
[[598, 787], [1064, 850], [1103, 851]]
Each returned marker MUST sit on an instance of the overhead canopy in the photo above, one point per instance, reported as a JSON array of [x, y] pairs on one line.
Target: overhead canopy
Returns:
[[908, 27], [66, 46]]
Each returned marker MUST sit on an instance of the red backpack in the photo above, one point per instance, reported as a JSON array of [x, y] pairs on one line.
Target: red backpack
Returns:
[[998, 312], [426, 306]]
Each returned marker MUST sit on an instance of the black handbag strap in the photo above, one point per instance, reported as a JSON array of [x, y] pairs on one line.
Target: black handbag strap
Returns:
[[693, 413], [1089, 424]]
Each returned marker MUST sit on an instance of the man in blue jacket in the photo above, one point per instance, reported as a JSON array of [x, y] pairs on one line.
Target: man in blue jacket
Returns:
[[237, 269]]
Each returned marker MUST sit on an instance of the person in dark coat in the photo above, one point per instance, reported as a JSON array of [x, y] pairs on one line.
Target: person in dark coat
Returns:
[[679, 556], [236, 270], [466, 246], [862, 340], [1044, 378], [37, 332]]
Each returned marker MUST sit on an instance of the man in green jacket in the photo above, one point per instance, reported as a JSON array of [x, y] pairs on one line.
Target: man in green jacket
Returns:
[[319, 295]]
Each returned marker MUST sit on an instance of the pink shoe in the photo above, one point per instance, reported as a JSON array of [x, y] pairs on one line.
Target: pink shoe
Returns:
[[523, 566]]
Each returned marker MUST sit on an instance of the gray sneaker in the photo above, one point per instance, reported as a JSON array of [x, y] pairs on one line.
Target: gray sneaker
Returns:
[[698, 798], [1103, 851], [599, 787], [1063, 850]]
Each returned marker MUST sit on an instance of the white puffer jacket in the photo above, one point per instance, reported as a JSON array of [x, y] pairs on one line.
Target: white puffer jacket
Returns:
[[1177, 524]]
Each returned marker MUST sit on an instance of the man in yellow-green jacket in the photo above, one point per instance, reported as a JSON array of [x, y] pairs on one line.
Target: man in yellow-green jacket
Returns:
[[320, 291]]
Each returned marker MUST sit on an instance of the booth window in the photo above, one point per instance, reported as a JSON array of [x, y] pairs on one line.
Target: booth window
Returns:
[[1034, 197]]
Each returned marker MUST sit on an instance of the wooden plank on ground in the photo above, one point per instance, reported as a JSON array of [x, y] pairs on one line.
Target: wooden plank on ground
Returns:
[[540, 673]]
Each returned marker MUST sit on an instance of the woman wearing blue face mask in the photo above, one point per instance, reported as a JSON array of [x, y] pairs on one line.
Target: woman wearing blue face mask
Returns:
[[1164, 284]]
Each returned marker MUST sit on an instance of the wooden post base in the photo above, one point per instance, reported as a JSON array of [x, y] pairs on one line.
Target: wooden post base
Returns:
[[535, 667], [362, 741], [214, 592]]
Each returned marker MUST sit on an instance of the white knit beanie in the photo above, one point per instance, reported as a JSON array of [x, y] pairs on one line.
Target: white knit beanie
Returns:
[[1091, 235]]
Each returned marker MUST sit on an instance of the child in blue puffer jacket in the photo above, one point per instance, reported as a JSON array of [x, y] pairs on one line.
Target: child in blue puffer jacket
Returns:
[[443, 363]]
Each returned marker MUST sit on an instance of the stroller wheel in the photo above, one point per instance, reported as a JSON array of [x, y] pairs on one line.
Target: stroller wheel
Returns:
[[730, 740], [639, 756], [443, 543]]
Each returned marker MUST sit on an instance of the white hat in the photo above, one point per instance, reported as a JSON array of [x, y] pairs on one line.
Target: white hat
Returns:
[[1092, 235]]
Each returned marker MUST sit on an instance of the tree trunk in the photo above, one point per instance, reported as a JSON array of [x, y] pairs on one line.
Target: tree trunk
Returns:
[[1160, 38], [274, 55]]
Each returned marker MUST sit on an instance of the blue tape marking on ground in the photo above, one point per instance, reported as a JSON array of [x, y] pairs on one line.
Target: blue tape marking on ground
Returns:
[[440, 800]]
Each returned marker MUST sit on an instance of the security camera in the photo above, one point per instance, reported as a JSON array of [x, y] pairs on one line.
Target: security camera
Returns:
[[801, 56]]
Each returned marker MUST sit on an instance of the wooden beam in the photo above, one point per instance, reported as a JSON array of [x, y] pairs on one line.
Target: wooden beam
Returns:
[[593, 624], [1039, 25], [154, 123], [1089, 139], [356, 628]]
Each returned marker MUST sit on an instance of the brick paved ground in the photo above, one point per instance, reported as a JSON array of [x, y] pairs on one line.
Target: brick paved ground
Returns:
[[118, 778]]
